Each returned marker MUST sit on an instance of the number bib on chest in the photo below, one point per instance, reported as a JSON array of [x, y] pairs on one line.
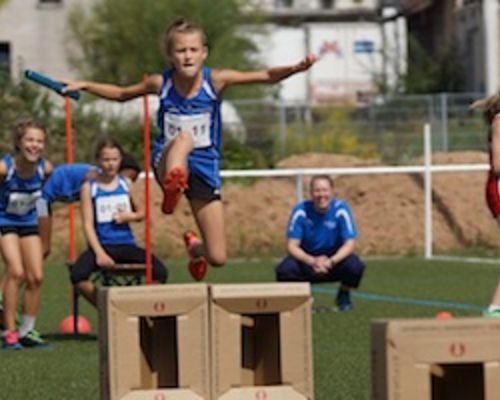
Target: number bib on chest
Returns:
[[197, 125], [22, 203], [108, 206]]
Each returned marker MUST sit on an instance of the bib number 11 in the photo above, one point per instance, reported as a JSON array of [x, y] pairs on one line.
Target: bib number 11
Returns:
[[197, 125]]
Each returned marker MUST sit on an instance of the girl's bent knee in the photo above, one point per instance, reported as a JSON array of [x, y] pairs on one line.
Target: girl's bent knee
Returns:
[[82, 284], [35, 281], [183, 139], [217, 261], [17, 276]]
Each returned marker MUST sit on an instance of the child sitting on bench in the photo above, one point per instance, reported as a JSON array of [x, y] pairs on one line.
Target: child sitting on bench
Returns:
[[107, 209]]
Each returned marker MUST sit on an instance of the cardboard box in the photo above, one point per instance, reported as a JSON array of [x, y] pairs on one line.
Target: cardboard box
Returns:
[[424, 359], [261, 342], [154, 342]]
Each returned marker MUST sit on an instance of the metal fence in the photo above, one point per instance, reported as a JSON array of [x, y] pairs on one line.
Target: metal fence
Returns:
[[427, 170], [386, 128]]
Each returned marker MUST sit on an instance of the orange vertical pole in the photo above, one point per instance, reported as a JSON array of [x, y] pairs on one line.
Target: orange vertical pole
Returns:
[[71, 209], [70, 160], [147, 188]]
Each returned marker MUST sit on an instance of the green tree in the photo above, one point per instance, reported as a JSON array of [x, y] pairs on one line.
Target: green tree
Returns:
[[19, 100], [118, 41], [26, 99], [428, 74]]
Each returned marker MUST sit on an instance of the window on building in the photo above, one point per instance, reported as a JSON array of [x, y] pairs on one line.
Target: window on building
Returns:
[[283, 3], [50, 4], [4, 58], [326, 4]]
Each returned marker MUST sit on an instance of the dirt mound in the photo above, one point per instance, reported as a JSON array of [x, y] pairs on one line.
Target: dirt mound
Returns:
[[389, 210], [461, 196]]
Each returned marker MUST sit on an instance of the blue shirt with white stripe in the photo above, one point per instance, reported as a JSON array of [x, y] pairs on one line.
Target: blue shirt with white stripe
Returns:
[[200, 116], [65, 182], [322, 233], [18, 195]]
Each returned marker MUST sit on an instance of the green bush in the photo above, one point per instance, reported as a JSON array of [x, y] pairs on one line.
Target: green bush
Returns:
[[25, 99], [237, 155], [331, 131]]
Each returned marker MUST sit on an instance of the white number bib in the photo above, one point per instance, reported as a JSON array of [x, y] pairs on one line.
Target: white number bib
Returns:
[[108, 206], [197, 125], [21, 203]]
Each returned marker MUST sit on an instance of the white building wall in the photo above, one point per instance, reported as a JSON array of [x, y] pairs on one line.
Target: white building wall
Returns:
[[351, 4], [36, 33], [491, 11], [311, 4], [350, 57], [284, 46], [37, 37], [395, 48]]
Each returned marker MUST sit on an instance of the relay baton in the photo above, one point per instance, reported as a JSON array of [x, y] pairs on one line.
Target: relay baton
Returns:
[[49, 83]]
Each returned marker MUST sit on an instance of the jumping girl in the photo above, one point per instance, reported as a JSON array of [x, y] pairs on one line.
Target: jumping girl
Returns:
[[187, 151]]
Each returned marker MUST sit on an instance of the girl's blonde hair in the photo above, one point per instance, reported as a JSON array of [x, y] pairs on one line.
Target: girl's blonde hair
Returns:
[[489, 105], [20, 128], [180, 25]]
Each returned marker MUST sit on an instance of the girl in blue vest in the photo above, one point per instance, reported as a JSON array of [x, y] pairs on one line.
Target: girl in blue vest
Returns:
[[108, 207], [64, 185], [187, 151], [21, 178]]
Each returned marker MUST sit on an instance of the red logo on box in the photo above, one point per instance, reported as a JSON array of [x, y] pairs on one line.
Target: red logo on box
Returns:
[[260, 395], [159, 307], [261, 303], [457, 349]]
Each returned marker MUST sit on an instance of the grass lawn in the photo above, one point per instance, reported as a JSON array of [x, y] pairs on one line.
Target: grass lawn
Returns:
[[391, 288]]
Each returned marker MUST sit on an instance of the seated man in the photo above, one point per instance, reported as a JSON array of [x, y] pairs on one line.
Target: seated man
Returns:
[[321, 237]]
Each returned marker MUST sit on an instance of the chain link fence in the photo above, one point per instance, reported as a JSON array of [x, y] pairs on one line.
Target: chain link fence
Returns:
[[387, 129]]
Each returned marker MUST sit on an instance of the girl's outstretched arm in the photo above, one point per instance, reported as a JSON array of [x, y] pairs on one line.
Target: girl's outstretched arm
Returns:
[[151, 85], [227, 77]]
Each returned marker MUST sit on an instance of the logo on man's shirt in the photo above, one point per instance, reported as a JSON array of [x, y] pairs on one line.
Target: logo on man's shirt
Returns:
[[330, 224]]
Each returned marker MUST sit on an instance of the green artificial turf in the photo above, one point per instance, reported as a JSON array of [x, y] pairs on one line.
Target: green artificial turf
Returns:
[[391, 288]]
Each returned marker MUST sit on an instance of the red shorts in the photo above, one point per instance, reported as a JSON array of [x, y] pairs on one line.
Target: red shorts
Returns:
[[493, 194]]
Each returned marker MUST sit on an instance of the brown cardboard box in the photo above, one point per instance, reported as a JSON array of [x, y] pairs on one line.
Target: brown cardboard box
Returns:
[[261, 342], [424, 359], [154, 342]]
